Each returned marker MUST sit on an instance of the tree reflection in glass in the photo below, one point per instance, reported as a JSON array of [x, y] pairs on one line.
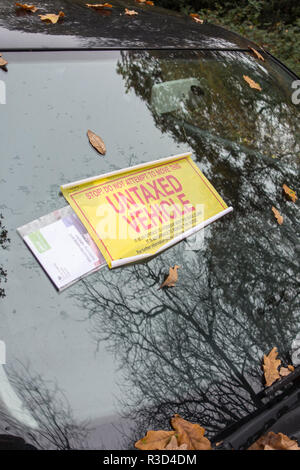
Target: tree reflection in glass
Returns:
[[196, 349]]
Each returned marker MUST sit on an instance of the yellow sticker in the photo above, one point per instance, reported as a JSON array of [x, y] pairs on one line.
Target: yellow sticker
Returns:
[[142, 210]]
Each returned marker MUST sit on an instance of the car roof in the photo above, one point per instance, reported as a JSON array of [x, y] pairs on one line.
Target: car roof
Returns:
[[236, 297], [86, 28]]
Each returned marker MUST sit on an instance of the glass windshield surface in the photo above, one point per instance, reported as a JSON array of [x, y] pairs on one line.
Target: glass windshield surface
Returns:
[[113, 356]]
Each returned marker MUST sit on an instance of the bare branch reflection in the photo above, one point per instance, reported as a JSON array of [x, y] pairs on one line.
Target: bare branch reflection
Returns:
[[196, 349], [45, 405]]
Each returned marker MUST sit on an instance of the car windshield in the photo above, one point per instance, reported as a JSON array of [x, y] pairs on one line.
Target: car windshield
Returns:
[[100, 363]]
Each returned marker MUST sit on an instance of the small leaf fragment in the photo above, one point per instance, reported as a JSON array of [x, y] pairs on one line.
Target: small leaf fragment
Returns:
[[96, 142], [273, 441], [258, 55], [172, 277], [278, 216], [51, 17], [27, 7], [191, 434], [3, 62], [290, 193], [217, 444], [270, 367], [154, 440], [173, 445], [130, 12], [97, 6], [251, 82]]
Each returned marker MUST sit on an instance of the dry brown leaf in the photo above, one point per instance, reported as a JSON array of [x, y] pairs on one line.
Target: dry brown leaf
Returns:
[[3, 62], [273, 441], [277, 215], [173, 445], [290, 193], [191, 434], [51, 17], [270, 367], [130, 12], [96, 142], [251, 82], [27, 7], [198, 20], [284, 371], [172, 277], [258, 55], [98, 5], [155, 440]]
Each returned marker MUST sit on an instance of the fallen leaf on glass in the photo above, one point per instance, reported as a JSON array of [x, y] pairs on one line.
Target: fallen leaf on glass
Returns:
[[290, 193], [198, 20], [273, 441], [130, 12], [191, 434], [186, 436], [284, 371], [96, 142], [258, 55], [52, 18], [251, 82], [155, 440], [173, 445], [277, 215], [270, 367], [3, 62], [172, 277], [27, 7], [98, 5]]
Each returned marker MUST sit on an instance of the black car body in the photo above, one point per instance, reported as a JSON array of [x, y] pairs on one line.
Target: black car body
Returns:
[[101, 363]]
